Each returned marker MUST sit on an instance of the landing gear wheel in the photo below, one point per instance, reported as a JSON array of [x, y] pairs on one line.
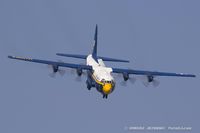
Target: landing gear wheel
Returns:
[[88, 85], [105, 96]]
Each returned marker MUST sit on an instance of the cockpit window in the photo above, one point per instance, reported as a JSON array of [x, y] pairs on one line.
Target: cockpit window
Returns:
[[103, 80], [106, 81]]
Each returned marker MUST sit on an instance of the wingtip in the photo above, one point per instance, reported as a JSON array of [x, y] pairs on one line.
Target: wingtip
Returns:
[[191, 75], [126, 61], [194, 76], [9, 56], [60, 54]]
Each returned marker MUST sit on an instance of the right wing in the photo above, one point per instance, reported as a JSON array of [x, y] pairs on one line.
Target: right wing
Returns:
[[53, 63], [150, 73]]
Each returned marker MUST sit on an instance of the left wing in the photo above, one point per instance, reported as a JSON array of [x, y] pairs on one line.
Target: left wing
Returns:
[[150, 73], [53, 63]]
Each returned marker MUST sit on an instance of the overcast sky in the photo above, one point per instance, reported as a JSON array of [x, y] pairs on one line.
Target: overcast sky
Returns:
[[160, 35]]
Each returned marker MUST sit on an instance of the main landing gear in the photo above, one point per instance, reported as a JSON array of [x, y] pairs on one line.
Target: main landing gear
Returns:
[[88, 85]]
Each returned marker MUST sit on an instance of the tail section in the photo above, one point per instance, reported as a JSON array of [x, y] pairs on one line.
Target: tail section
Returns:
[[94, 52]]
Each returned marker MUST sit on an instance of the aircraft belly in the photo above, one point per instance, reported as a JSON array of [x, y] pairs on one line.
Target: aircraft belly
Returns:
[[90, 79], [95, 84]]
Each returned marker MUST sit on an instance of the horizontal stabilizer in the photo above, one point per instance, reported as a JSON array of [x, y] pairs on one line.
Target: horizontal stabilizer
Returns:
[[85, 56], [72, 55], [112, 59]]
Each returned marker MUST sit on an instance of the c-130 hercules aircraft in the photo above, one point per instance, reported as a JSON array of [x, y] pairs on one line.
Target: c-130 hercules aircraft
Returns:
[[98, 75]]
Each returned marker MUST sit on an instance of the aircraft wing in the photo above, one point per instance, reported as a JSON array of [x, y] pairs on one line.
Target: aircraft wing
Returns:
[[150, 73], [54, 63]]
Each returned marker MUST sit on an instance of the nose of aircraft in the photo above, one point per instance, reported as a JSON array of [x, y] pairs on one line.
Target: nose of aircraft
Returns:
[[107, 88]]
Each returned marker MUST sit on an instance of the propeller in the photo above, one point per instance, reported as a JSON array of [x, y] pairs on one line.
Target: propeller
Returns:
[[147, 80], [78, 79], [61, 72], [78, 74], [155, 83], [52, 75], [55, 70], [123, 83], [131, 79]]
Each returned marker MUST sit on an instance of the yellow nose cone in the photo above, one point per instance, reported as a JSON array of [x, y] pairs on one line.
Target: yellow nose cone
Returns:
[[107, 88]]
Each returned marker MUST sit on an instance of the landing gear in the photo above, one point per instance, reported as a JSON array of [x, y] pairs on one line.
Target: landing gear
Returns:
[[88, 85], [105, 96]]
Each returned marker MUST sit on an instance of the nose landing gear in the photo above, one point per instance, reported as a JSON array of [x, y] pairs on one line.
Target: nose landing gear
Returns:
[[105, 96]]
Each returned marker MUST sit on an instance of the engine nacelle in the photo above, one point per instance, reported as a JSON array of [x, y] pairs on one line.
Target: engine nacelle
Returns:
[[79, 71], [55, 68], [150, 78], [125, 76]]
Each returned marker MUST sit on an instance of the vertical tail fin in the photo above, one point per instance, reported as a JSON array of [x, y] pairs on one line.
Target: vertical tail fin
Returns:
[[94, 52]]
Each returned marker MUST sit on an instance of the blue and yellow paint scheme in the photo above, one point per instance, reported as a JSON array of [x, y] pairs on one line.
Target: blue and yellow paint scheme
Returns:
[[105, 87]]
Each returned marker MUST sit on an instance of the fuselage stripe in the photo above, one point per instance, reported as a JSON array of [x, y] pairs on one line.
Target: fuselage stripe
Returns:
[[96, 80]]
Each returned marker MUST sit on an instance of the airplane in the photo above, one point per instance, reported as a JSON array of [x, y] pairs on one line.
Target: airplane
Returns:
[[98, 75]]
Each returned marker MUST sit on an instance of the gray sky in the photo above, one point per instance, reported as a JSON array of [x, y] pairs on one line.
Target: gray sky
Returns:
[[154, 35]]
